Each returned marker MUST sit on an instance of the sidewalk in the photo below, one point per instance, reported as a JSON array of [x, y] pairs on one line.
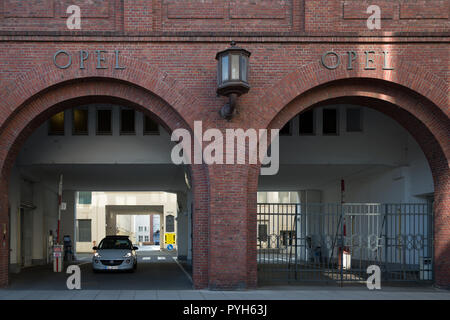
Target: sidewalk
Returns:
[[309, 293]]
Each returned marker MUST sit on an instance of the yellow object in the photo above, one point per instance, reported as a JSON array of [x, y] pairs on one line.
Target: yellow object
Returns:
[[169, 238]]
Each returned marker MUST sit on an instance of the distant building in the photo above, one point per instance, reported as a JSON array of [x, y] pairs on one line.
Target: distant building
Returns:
[[137, 214]]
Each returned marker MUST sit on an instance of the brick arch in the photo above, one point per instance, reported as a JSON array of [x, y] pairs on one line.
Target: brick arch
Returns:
[[15, 93], [432, 118], [25, 118], [427, 122], [413, 77]]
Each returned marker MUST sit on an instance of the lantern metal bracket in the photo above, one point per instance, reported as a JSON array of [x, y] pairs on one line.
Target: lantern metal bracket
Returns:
[[227, 110], [233, 63]]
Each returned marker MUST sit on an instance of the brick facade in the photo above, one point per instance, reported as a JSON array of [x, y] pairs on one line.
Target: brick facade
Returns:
[[168, 49]]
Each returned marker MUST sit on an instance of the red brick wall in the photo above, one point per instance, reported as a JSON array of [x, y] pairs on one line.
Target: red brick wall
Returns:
[[243, 16], [51, 15], [397, 15], [168, 49]]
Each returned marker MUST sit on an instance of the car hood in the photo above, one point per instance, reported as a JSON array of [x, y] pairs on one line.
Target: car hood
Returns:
[[112, 254]]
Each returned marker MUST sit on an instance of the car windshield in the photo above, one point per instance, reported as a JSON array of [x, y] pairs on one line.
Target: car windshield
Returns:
[[115, 244]]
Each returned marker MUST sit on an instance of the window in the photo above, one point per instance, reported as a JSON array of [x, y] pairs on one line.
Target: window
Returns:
[[354, 123], [140, 238], [140, 228], [127, 121], [287, 238], [244, 68], [262, 197], [262, 232], [330, 121], [104, 117], [293, 197], [80, 121], [225, 68], [306, 123], [283, 197], [170, 223], [115, 243], [84, 230], [56, 124], [84, 197], [146, 239], [235, 67], [287, 129], [150, 126]]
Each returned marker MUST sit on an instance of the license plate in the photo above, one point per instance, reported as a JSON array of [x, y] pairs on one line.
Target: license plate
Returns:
[[112, 267]]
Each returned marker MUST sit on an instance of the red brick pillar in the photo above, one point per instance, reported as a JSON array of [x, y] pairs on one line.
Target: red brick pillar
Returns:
[[200, 226], [442, 229], [229, 262], [252, 200]]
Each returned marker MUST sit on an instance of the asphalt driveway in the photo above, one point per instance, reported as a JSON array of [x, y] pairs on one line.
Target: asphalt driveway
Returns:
[[157, 270]]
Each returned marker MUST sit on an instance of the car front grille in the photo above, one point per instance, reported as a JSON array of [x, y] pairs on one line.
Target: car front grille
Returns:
[[111, 262]]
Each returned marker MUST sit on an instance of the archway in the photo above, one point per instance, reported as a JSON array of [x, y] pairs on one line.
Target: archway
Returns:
[[424, 120], [49, 94]]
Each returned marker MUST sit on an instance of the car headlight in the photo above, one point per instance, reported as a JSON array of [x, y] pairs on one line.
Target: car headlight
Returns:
[[127, 255], [97, 255]]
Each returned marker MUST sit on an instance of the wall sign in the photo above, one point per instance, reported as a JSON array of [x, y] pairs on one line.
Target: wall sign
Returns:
[[169, 238], [170, 223], [331, 60], [63, 59]]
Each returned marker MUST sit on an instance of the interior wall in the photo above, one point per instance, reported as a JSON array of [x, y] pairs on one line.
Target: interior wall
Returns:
[[68, 216], [383, 163], [29, 234], [382, 141], [14, 204], [42, 148], [50, 195], [421, 180], [182, 226], [406, 184], [39, 248], [388, 186]]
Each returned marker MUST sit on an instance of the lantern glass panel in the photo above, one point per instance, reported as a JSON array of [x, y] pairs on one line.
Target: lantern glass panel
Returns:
[[244, 68], [235, 67], [224, 68]]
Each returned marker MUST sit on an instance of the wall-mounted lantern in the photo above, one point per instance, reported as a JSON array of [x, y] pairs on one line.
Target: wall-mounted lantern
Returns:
[[232, 75]]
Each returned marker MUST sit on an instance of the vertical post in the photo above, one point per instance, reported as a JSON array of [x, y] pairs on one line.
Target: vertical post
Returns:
[[296, 238], [59, 206], [341, 248], [342, 231], [386, 237], [430, 236], [401, 244], [59, 218]]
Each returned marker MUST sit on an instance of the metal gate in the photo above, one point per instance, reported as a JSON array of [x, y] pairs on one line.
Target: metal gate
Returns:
[[335, 243]]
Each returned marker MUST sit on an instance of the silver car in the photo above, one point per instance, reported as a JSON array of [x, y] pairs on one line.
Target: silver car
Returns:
[[115, 253]]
